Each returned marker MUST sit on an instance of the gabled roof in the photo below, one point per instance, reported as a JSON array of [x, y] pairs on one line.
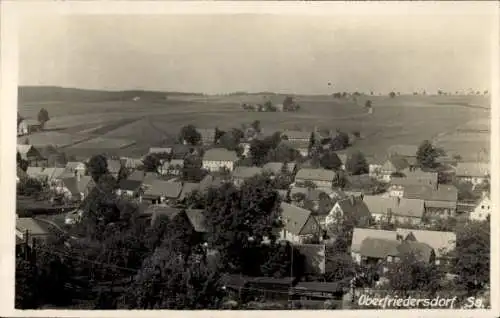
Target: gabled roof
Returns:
[[440, 241], [343, 157], [275, 167], [150, 177], [187, 188], [472, 169], [297, 134], [316, 174], [422, 192], [447, 193], [33, 226], [355, 207], [246, 172], [410, 208], [403, 150], [359, 234], [294, 218], [379, 204], [410, 181], [130, 185], [379, 247], [197, 220], [421, 251], [398, 207], [160, 188], [220, 154], [76, 186], [131, 163]]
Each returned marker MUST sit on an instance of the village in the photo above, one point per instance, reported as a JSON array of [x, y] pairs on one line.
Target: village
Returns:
[[331, 201]]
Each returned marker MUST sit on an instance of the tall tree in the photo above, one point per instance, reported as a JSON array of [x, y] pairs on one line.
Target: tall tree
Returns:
[[329, 160], [356, 163], [190, 135], [151, 162], [97, 166], [43, 117], [427, 154], [256, 126]]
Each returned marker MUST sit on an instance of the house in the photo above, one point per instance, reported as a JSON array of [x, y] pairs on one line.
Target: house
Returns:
[[301, 146], [208, 182], [473, 172], [240, 174], [482, 210], [409, 152], [180, 151], [160, 191], [391, 209], [412, 178], [395, 164], [360, 234], [320, 177], [442, 242], [35, 229], [207, 135], [130, 188], [114, 167], [27, 126], [31, 155], [73, 167], [216, 158], [300, 195], [76, 188], [131, 163], [173, 167], [296, 135], [299, 224], [276, 168], [351, 207], [440, 202]]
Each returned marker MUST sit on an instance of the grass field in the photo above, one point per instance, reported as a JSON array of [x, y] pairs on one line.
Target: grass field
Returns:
[[147, 122]]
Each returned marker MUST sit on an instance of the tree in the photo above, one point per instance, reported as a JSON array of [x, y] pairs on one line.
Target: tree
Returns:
[[97, 166], [356, 163], [218, 134], [192, 169], [368, 104], [190, 135], [259, 149], [472, 255], [256, 126], [427, 154], [329, 160], [338, 266], [43, 117], [392, 94], [277, 261], [283, 153], [151, 162], [288, 103], [340, 141], [231, 139]]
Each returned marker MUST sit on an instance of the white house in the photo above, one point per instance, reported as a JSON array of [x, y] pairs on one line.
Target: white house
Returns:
[[299, 224], [216, 158], [482, 209], [351, 206]]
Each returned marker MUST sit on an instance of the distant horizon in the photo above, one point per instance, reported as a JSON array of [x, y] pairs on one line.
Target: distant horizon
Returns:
[[306, 55]]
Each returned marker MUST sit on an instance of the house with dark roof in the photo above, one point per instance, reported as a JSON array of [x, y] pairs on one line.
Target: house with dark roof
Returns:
[[360, 234], [353, 208], [392, 209], [412, 178], [473, 172], [299, 224], [441, 242], [187, 189], [130, 188], [161, 191], [240, 174], [30, 154], [320, 177], [440, 202], [217, 158]]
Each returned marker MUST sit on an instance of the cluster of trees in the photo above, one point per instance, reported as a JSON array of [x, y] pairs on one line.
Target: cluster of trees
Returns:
[[289, 105]]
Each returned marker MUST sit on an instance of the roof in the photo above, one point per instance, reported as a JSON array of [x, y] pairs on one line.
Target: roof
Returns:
[[131, 163], [246, 172], [296, 144], [34, 171], [206, 133], [403, 150], [275, 167], [220, 154], [160, 188], [379, 204], [160, 150], [359, 234], [442, 193], [398, 162], [137, 175], [421, 175], [342, 157], [417, 192], [33, 226], [197, 220], [440, 241], [76, 186], [130, 185], [399, 207], [410, 207], [187, 188], [294, 218], [209, 181], [379, 247], [410, 180], [23, 149], [316, 174], [472, 169], [297, 134], [52, 173], [358, 181], [150, 177], [421, 251], [323, 287], [355, 207], [114, 166]]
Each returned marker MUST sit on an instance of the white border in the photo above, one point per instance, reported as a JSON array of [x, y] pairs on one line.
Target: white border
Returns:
[[11, 11]]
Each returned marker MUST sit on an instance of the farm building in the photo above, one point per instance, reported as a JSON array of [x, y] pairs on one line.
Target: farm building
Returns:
[[321, 177]]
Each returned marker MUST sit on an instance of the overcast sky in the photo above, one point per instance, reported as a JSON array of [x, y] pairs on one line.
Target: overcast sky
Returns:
[[227, 53]]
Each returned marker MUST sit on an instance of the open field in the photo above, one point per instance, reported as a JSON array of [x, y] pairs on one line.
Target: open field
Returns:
[[149, 121]]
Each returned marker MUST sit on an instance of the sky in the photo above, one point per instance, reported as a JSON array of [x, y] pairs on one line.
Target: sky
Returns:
[[258, 52]]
